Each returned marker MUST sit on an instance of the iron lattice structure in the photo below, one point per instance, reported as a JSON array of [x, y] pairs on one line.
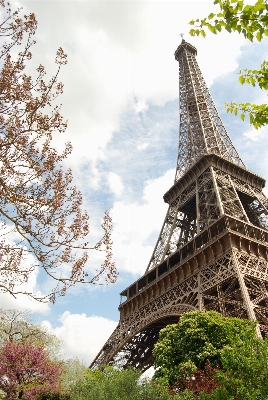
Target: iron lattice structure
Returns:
[[212, 251]]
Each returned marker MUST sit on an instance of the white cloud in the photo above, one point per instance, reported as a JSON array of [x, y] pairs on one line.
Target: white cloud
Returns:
[[115, 184], [119, 51], [82, 336], [135, 223], [256, 150], [143, 146], [140, 106], [23, 302], [255, 134]]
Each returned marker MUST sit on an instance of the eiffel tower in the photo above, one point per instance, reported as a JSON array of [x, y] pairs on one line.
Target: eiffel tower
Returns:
[[212, 251]]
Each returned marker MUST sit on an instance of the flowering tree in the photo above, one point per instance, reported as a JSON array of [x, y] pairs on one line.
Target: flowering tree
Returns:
[[26, 371], [39, 206], [17, 325], [197, 381]]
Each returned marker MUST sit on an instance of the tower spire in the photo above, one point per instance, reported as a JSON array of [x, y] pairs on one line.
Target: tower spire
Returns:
[[201, 128], [212, 251]]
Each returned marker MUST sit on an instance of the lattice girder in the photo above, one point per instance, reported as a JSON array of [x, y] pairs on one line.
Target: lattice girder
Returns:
[[201, 129], [208, 280], [214, 192]]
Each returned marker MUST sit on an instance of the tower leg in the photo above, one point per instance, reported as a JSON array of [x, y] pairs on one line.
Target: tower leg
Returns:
[[248, 303]]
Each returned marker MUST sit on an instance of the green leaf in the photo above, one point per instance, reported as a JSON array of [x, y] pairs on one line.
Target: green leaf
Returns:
[[251, 80], [247, 8], [241, 79], [240, 5], [192, 32], [212, 29], [249, 36], [242, 116], [203, 33], [259, 6], [211, 15], [259, 36]]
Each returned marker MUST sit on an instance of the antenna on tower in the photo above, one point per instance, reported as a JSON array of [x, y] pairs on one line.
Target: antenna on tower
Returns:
[[182, 34]]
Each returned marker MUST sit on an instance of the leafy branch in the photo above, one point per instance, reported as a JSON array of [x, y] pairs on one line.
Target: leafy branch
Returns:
[[252, 22]]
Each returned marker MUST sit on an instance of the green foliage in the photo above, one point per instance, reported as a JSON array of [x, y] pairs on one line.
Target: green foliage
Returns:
[[185, 395], [252, 22], [113, 384], [198, 337], [235, 16], [54, 396], [228, 342], [244, 371], [17, 325], [73, 372], [258, 114], [256, 77], [197, 382]]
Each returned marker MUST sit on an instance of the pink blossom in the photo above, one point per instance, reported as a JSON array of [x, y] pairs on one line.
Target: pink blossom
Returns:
[[26, 370]]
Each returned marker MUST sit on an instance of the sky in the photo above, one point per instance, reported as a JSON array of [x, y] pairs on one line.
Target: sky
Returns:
[[121, 100]]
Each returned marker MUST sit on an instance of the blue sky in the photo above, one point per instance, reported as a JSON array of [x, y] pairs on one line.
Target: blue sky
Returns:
[[121, 102]]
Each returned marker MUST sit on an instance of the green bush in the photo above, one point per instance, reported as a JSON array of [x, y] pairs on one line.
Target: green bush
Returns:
[[114, 384], [238, 359], [199, 337], [54, 396]]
